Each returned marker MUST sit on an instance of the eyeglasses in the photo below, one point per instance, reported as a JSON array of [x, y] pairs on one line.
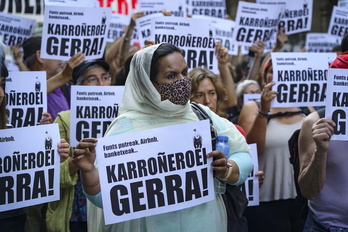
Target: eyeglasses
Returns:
[[94, 79]]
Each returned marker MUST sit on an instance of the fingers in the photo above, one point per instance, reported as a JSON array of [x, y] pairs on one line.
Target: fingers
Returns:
[[46, 118], [89, 143], [63, 150]]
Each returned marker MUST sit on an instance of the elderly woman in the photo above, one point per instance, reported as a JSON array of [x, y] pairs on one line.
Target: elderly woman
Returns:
[[157, 94]]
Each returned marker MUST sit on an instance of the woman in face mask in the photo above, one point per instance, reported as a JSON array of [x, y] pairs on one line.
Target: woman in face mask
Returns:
[[157, 93]]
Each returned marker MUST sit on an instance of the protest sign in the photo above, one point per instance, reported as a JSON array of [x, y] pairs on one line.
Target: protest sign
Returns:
[[223, 32], [251, 185], [144, 27], [212, 8], [194, 36], [69, 30], [337, 102], [29, 166], [117, 24], [255, 22], [296, 17], [247, 97], [321, 42], [342, 3], [155, 171], [26, 98], [24, 8], [14, 29], [339, 22], [155, 6], [93, 108], [300, 78]]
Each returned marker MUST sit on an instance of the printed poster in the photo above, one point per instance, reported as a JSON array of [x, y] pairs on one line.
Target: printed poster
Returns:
[[211, 8], [194, 36], [177, 7], [93, 108], [256, 22], [144, 27], [26, 97], [296, 16], [337, 104], [69, 30], [321, 42], [300, 78], [155, 171], [117, 24], [30, 168], [15, 29], [339, 22]]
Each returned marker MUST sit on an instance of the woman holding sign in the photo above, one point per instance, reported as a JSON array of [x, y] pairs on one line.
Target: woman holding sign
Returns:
[[271, 129], [157, 94]]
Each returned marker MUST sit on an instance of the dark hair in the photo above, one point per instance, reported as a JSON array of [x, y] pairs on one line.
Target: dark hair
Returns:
[[344, 43], [4, 74], [163, 50]]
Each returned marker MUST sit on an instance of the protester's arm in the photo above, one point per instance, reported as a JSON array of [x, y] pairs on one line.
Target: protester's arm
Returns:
[[84, 158], [65, 76], [313, 144], [18, 59], [226, 76], [257, 49], [118, 51], [255, 124], [282, 38]]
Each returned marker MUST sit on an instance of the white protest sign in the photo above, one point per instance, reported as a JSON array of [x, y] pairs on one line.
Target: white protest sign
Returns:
[[212, 8], [26, 97], [164, 163], [194, 36], [247, 97], [296, 17], [342, 3], [321, 42], [69, 30], [255, 22], [177, 7], [14, 29], [251, 185], [144, 27], [93, 108], [223, 32], [339, 22], [31, 9], [300, 78], [117, 24], [336, 103], [71, 3], [30, 168]]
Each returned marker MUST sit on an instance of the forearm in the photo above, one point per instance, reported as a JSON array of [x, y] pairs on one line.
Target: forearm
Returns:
[[228, 82], [255, 68], [241, 167], [90, 181], [56, 82], [257, 133], [312, 177]]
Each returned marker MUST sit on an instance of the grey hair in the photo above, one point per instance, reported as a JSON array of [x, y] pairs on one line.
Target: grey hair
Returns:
[[241, 87]]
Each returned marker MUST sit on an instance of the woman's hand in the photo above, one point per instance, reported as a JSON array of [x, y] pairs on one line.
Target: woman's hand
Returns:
[[221, 53], [219, 164], [322, 131], [46, 118], [84, 154], [261, 176], [267, 96], [63, 150]]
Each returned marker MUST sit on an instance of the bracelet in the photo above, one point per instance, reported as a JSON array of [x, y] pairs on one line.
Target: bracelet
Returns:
[[262, 115], [126, 39], [229, 166], [91, 186]]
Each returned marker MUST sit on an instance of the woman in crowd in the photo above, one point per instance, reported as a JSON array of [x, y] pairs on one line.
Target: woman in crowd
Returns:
[[157, 94], [271, 129]]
